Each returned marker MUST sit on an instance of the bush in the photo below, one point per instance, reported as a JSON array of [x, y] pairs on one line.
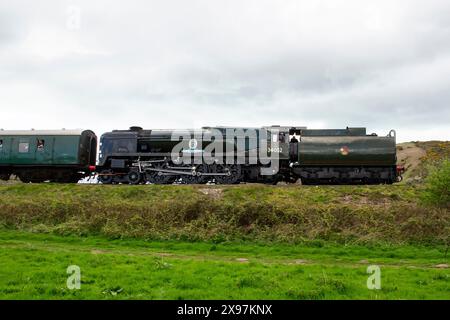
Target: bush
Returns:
[[290, 214], [437, 184]]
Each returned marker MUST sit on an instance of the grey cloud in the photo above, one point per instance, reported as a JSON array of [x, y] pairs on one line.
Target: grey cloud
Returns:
[[171, 63]]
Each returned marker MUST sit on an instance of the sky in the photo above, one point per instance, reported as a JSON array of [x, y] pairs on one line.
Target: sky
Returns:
[[106, 65]]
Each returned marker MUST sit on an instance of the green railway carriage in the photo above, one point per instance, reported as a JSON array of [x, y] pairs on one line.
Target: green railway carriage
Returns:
[[54, 155]]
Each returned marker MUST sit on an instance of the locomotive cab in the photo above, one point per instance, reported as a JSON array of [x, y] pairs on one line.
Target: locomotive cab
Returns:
[[117, 144]]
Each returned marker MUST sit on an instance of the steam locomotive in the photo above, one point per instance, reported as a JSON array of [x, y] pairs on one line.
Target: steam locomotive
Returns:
[[222, 155]]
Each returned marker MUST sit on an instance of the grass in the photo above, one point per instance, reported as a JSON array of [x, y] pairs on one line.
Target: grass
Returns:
[[290, 214], [34, 267], [185, 242]]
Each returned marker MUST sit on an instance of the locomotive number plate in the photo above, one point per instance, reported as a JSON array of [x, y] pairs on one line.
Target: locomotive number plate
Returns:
[[277, 149]]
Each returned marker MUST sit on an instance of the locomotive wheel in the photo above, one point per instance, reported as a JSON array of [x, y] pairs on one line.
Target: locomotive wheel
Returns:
[[134, 177], [27, 177], [198, 177], [29, 180], [106, 177], [202, 168], [233, 173], [120, 178], [5, 176], [156, 177], [24, 179]]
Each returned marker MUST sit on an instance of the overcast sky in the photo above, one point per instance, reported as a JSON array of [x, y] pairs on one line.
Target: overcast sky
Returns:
[[108, 65]]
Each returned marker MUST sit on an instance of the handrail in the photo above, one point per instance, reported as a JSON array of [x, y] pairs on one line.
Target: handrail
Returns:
[[392, 133]]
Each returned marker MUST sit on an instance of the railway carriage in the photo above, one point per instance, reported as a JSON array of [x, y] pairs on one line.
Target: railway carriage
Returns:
[[47, 155]]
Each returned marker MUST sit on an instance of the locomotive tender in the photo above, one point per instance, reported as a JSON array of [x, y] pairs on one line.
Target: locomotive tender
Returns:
[[222, 155]]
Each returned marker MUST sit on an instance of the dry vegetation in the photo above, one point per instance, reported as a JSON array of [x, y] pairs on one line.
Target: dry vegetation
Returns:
[[352, 214]]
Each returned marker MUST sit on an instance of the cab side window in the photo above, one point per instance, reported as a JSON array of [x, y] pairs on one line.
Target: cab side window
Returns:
[[123, 146], [142, 147], [1, 145]]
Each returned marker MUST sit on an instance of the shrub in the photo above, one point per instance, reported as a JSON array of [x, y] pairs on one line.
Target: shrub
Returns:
[[290, 214], [437, 184]]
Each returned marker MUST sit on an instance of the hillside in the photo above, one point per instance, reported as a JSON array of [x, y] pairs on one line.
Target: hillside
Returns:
[[416, 156]]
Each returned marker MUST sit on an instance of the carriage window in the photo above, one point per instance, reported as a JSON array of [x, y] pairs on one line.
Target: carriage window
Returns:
[[1, 145], [24, 147], [40, 145]]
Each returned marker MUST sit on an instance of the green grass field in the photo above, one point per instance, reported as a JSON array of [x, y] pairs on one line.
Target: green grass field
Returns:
[[33, 266], [221, 242]]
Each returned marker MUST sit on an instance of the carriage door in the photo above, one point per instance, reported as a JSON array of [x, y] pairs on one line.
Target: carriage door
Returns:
[[25, 150], [44, 147], [5, 150]]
